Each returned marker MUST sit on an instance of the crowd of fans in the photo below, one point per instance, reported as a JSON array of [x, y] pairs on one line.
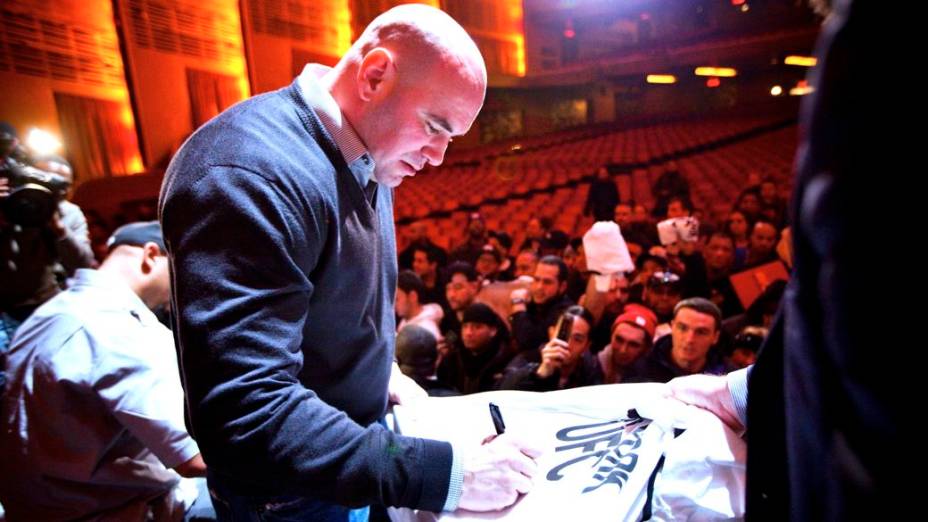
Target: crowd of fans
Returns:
[[483, 316]]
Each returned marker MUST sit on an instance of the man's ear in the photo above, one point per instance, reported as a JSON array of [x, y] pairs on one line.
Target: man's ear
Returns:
[[149, 252], [376, 73]]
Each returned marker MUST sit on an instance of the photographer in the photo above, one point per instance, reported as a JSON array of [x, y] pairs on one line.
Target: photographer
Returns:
[[563, 362], [43, 237]]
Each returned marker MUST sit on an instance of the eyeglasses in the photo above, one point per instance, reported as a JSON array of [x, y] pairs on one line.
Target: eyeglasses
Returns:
[[664, 278], [748, 340], [665, 283]]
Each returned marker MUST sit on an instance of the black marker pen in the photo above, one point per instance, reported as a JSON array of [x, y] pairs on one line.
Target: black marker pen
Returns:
[[497, 417]]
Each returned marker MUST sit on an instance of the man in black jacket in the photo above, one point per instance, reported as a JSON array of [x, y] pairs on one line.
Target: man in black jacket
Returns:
[[602, 197], [477, 360], [530, 318], [559, 364], [829, 417]]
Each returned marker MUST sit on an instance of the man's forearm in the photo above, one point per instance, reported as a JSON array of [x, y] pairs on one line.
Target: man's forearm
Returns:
[[73, 247]]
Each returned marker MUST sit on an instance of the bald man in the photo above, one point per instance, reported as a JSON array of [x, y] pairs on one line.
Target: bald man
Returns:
[[279, 223]]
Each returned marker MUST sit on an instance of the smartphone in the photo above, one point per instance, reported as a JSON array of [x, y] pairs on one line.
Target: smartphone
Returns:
[[564, 326]]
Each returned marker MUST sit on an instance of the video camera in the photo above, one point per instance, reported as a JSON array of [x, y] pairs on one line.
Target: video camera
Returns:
[[34, 193]]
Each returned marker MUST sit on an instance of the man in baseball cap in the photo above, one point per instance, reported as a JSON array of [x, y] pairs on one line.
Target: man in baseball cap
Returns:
[[632, 332], [108, 368], [137, 234]]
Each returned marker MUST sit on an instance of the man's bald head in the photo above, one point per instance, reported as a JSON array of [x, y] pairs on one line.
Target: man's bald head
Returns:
[[411, 82], [426, 37]]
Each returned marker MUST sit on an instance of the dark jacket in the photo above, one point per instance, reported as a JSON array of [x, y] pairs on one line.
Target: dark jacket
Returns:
[[520, 373], [530, 328], [657, 365], [831, 408], [469, 372], [601, 199]]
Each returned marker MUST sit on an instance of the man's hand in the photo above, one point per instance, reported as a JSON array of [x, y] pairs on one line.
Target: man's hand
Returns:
[[495, 474], [553, 356], [56, 226], [709, 392], [195, 467], [402, 389], [519, 300], [443, 347]]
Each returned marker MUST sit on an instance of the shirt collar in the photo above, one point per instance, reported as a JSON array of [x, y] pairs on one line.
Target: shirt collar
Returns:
[[119, 294], [317, 97]]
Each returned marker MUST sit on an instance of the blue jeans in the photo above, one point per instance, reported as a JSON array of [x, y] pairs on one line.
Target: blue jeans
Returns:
[[8, 326], [202, 509], [233, 507]]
